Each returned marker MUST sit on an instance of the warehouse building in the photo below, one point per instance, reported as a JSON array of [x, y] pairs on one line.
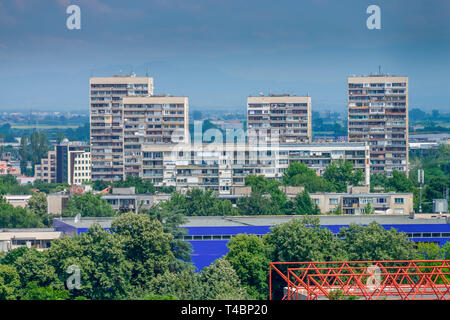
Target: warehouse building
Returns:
[[209, 235]]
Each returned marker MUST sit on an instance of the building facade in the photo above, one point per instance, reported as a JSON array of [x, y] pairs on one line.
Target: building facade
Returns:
[[46, 169], [282, 118], [221, 167], [378, 113], [38, 238], [152, 120], [63, 164], [381, 203], [81, 171], [107, 123]]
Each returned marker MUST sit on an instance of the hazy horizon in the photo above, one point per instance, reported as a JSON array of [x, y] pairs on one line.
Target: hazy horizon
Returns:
[[218, 53]]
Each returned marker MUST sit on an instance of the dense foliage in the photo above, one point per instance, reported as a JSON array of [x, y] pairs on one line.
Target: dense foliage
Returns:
[[136, 260], [88, 205], [306, 240], [436, 166]]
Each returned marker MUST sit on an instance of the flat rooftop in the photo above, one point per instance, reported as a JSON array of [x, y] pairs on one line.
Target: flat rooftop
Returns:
[[236, 221]]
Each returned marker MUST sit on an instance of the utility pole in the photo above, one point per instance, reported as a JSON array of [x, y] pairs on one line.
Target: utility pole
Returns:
[[420, 177]]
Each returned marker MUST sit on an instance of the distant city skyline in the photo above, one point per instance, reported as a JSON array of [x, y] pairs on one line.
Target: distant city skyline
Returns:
[[218, 53]]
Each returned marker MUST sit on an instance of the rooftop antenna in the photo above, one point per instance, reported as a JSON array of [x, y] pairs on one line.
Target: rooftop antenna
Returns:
[[379, 70]]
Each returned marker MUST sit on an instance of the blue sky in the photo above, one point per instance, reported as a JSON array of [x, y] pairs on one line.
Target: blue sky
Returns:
[[218, 52]]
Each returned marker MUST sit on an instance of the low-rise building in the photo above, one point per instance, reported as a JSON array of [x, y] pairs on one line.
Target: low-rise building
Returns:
[[126, 199], [69, 162], [40, 239], [356, 203], [17, 200], [23, 180], [46, 169], [57, 202]]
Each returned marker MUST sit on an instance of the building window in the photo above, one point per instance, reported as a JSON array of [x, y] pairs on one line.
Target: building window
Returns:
[[334, 201], [399, 200]]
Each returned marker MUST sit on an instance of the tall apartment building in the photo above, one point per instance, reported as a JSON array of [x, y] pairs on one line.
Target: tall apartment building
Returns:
[[378, 114], [106, 121], [150, 120], [221, 167], [280, 118]]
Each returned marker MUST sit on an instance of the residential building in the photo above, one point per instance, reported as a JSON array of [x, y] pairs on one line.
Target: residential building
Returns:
[[57, 202], [107, 123], [17, 200], [69, 162], [279, 118], [221, 167], [46, 169], [378, 113], [39, 238], [23, 180], [72, 162], [6, 168], [81, 168], [152, 120], [126, 199], [349, 203]]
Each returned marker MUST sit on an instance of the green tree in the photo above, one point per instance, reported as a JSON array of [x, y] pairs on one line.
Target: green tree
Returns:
[[171, 219], [184, 285], [148, 246], [248, 255], [59, 137], [100, 256], [34, 292], [9, 185], [99, 185], [17, 217], [256, 204], [340, 174], [304, 205], [33, 266], [298, 174], [303, 240], [337, 210], [11, 256], [23, 152], [201, 203], [142, 186], [38, 205], [430, 251], [399, 182], [369, 209], [220, 282], [88, 205], [261, 184], [9, 282], [373, 242]]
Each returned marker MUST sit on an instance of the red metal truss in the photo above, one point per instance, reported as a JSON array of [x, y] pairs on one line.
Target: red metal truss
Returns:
[[366, 280]]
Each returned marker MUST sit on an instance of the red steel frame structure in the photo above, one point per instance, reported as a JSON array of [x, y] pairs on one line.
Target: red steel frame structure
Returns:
[[369, 280]]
